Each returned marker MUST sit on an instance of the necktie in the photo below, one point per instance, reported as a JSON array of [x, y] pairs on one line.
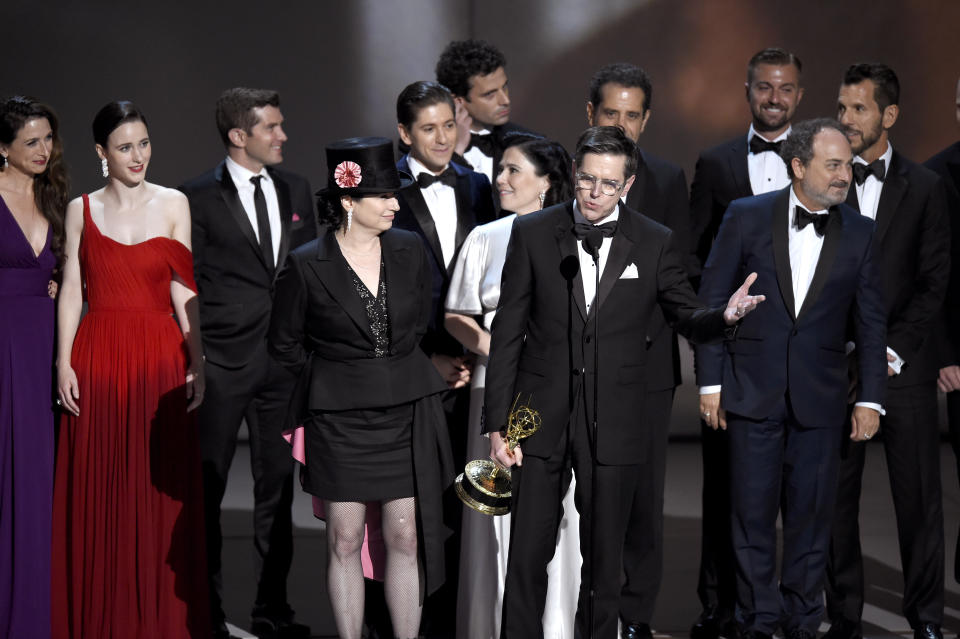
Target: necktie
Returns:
[[802, 217], [759, 145], [861, 172], [263, 222], [483, 142], [448, 177], [580, 229]]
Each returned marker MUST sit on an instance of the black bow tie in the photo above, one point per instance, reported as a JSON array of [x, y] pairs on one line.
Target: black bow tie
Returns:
[[802, 217], [877, 169], [448, 177], [580, 229], [484, 142], [759, 145]]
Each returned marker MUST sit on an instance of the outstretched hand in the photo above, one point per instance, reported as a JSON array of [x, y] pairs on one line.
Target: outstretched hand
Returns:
[[741, 302]]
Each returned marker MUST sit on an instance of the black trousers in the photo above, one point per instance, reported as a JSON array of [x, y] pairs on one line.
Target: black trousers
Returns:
[[953, 422], [259, 392], [911, 441], [643, 546], [538, 489], [779, 467], [717, 583]]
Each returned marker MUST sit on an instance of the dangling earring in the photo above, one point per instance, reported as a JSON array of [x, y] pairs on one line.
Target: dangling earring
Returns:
[[3, 164], [103, 167], [543, 198], [349, 219]]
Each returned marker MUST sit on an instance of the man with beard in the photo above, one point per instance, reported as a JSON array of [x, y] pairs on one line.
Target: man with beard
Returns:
[[744, 166], [620, 95], [946, 163], [912, 243], [784, 375]]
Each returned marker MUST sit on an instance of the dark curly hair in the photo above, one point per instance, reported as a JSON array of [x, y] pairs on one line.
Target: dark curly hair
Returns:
[[549, 159], [463, 59], [52, 187]]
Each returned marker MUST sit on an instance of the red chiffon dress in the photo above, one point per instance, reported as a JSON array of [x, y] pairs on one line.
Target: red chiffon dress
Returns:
[[128, 550]]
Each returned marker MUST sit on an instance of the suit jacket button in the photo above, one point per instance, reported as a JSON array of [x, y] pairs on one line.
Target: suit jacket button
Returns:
[[588, 339], [794, 332]]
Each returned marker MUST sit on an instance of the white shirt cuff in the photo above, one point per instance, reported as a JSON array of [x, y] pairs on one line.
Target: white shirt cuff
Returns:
[[896, 364], [709, 390], [876, 407]]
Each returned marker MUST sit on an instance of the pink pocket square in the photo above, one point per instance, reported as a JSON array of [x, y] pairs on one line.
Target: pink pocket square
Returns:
[[296, 217]]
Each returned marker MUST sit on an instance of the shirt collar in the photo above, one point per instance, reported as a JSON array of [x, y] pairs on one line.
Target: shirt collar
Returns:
[[886, 157], [795, 202], [416, 167], [578, 216], [241, 175], [752, 132]]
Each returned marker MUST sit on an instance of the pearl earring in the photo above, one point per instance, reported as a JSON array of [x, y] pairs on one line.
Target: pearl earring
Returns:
[[103, 167], [543, 198], [349, 218]]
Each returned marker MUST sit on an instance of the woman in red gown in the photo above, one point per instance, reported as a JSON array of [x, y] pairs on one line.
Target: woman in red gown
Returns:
[[128, 552]]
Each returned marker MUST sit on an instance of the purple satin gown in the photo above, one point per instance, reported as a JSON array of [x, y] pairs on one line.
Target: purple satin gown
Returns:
[[26, 432]]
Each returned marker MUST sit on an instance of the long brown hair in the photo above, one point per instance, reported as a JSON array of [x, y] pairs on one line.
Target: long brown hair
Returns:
[[50, 188]]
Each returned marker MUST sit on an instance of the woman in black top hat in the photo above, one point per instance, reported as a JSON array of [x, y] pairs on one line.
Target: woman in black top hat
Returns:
[[349, 312]]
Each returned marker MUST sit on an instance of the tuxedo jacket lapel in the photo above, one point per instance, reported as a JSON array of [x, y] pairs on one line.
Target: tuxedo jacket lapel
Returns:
[[400, 270], [465, 217], [852, 198], [620, 246], [228, 191], [893, 189], [739, 167], [567, 245], [828, 252], [286, 215], [781, 250], [330, 269]]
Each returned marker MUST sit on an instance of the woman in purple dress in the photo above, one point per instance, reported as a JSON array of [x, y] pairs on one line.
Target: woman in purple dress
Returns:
[[33, 196]]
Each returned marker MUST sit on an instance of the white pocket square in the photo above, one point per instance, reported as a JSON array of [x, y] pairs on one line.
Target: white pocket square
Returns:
[[630, 273]]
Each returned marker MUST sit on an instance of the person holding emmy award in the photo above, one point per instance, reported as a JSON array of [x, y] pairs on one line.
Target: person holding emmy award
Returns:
[[534, 173], [542, 345], [350, 310]]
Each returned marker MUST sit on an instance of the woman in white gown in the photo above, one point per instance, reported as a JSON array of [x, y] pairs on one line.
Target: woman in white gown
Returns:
[[533, 173]]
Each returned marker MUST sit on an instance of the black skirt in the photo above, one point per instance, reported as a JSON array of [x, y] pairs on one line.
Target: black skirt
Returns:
[[360, 455]]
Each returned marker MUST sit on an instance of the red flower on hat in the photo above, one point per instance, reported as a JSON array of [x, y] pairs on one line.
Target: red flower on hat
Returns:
[[347, 174]]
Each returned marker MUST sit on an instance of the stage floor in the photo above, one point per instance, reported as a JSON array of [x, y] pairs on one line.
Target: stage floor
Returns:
[[678, 604]]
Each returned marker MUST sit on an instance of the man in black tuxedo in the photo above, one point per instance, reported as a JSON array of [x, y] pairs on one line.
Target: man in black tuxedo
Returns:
[[912, 242], [746, 165], [441, 207], [544, 335], [783, 379], [247, 215], [620, 95], [476, 73], [946, 164]]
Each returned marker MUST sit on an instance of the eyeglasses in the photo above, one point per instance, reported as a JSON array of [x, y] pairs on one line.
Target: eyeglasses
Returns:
[[589, 182]]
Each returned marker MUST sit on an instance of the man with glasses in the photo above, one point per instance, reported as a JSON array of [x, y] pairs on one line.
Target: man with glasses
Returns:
[[621, 95], [543, 347]]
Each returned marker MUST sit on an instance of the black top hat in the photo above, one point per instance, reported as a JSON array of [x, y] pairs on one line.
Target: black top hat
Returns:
[[363, 166]]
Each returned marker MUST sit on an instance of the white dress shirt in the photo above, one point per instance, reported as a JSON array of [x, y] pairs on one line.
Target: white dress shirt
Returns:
[[241, 179], [868, 193], [480, 162], [768, 171], [868, 196], [588, 270], [442, 203]]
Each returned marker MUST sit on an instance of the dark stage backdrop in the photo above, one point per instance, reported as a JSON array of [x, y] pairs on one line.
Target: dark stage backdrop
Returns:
[[339, 65]]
